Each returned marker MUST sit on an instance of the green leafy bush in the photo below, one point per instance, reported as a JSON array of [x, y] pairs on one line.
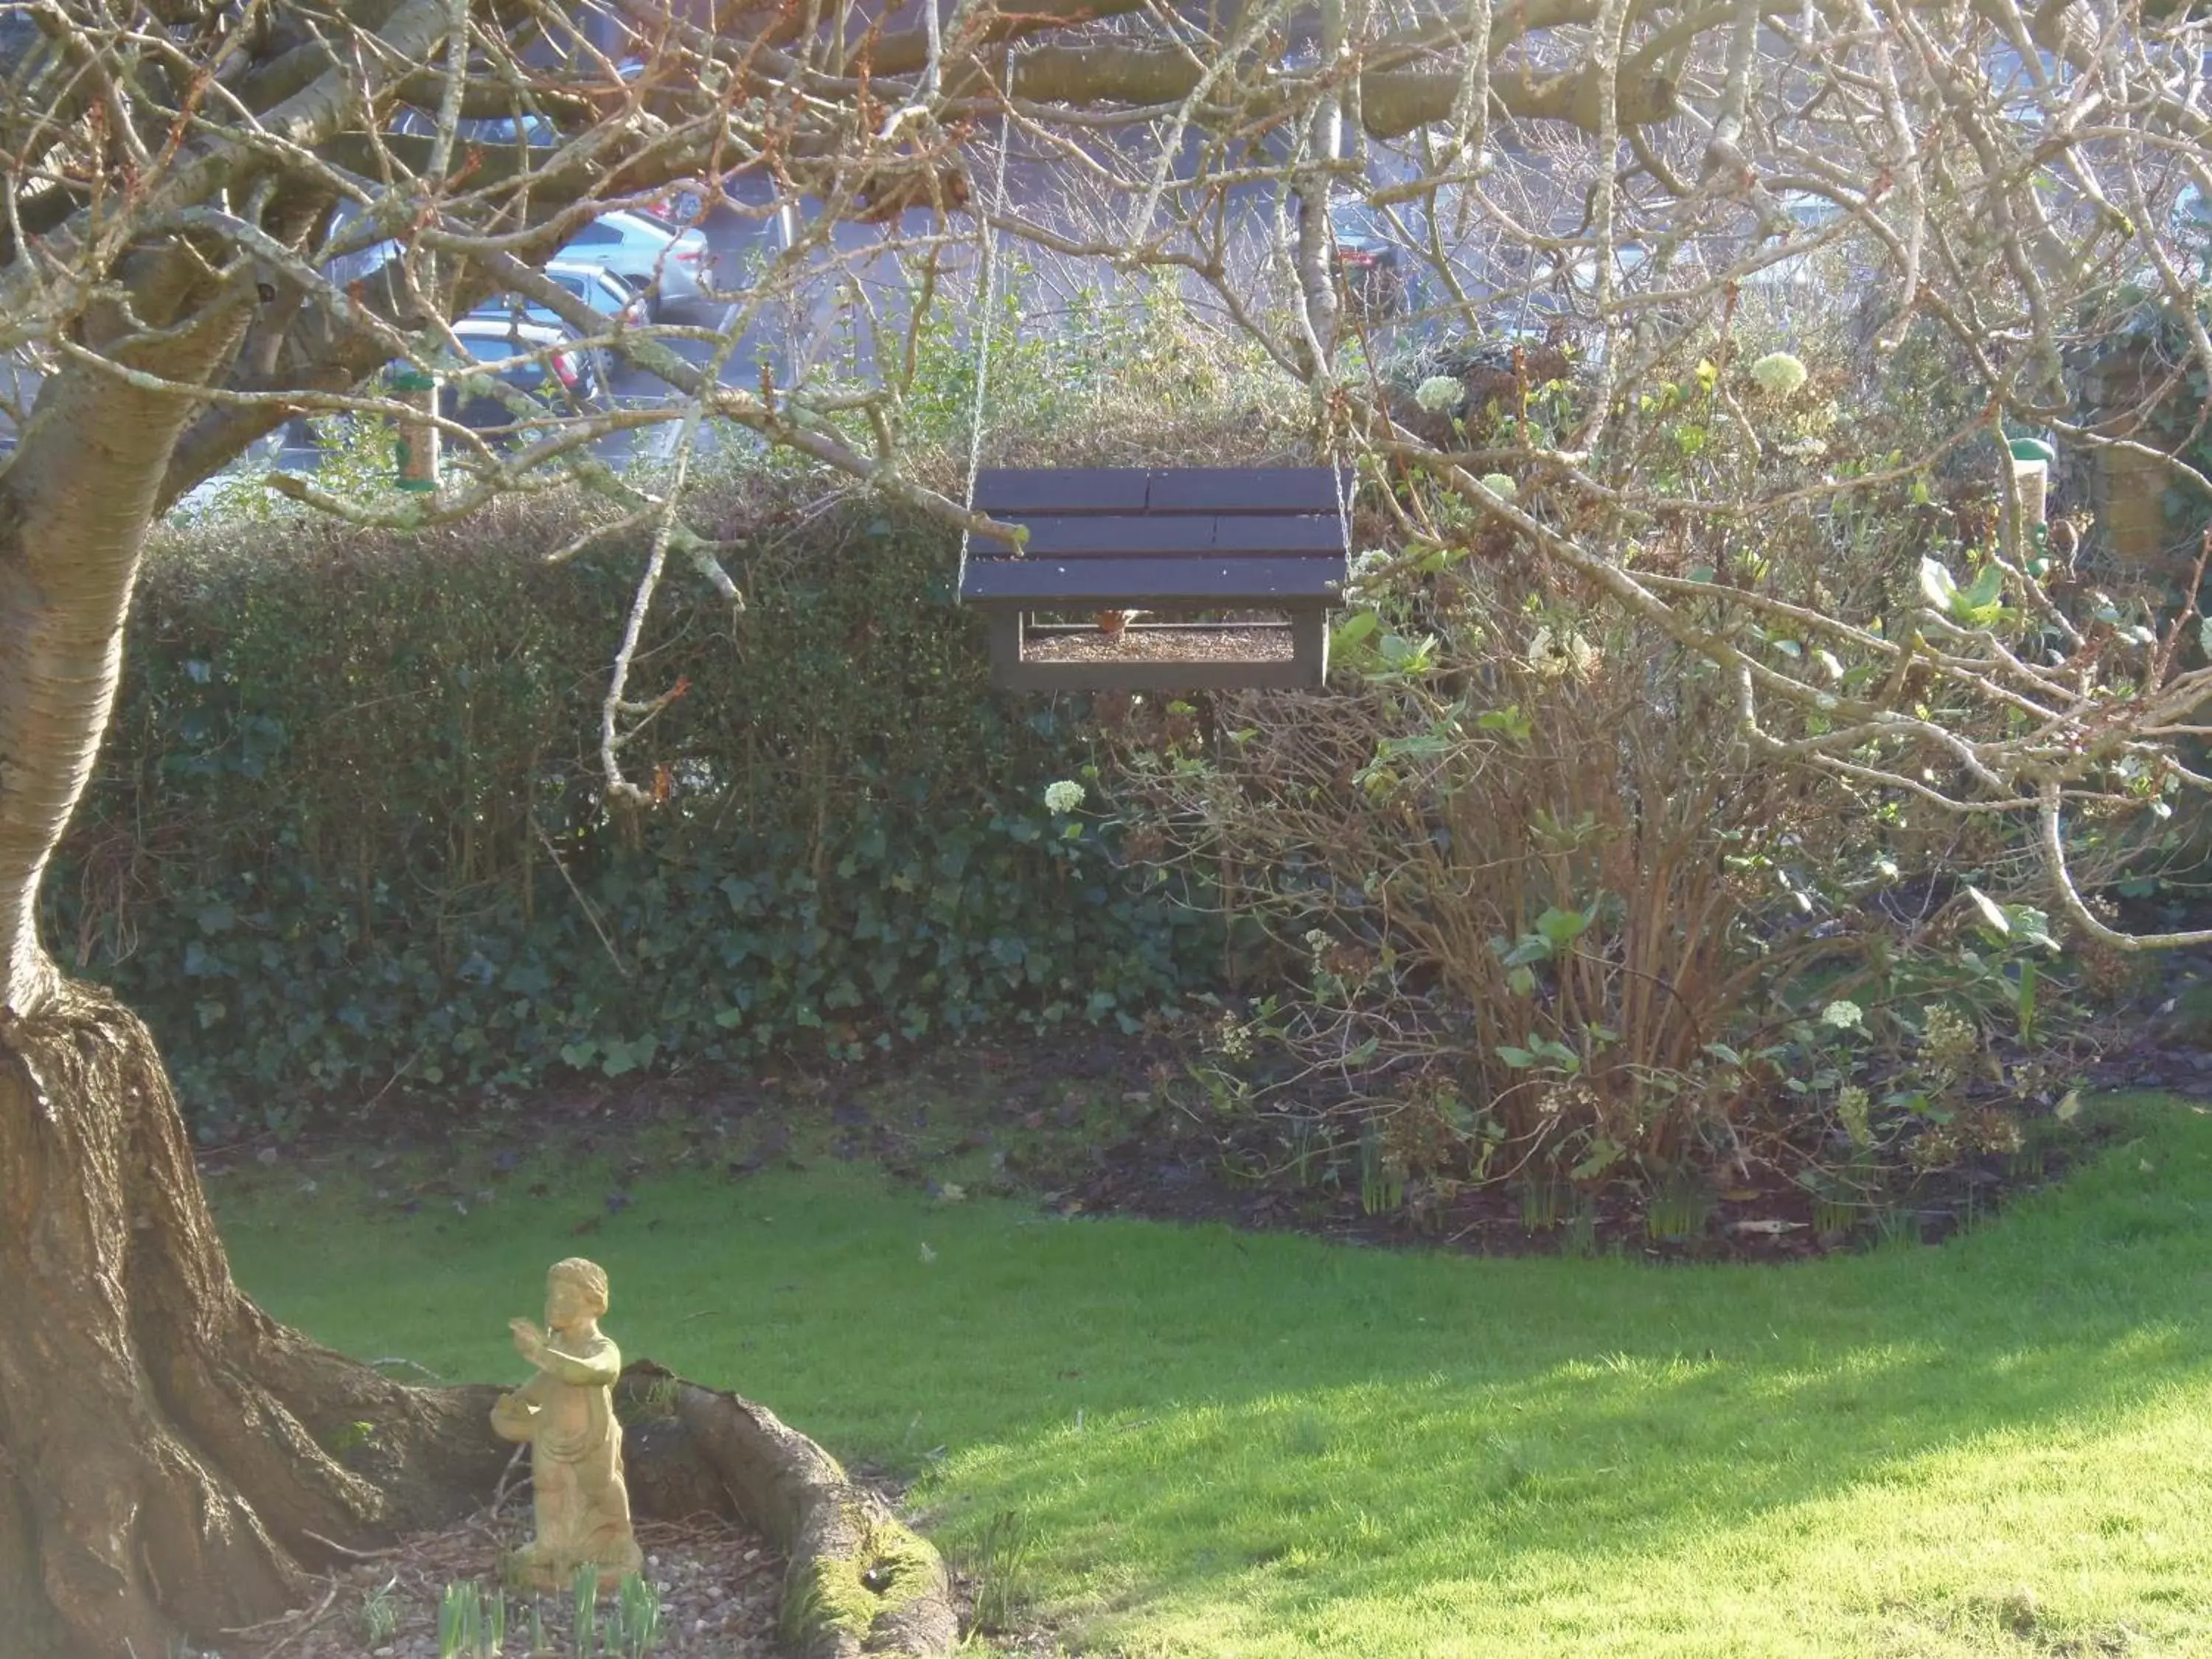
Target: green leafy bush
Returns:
[[1535, 911], [348, 835]]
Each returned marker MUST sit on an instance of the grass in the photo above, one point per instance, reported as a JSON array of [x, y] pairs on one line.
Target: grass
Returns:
[[1232, 1445]]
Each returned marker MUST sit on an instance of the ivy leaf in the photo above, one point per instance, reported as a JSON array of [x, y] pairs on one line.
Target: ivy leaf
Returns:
[[1981, 602], [1508, 720], [1532, 947], [1354, 629], [1561, 928]]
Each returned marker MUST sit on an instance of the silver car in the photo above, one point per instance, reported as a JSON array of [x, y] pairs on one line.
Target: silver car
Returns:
[[669, 267]]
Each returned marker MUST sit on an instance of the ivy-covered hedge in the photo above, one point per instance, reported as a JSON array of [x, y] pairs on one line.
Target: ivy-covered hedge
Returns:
[[348, 835]]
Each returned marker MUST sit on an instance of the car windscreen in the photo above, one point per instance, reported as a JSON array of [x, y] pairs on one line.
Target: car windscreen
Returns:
[[494, 348], [514, 304]]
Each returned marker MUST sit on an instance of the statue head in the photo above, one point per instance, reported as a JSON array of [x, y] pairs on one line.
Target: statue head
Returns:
[[586, 1280]]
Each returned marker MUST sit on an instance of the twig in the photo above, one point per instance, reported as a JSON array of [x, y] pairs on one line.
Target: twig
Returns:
[[337, 1548], [415, 1365], [314, 1618], [591, 912], [405, 1065], [498, 1492]]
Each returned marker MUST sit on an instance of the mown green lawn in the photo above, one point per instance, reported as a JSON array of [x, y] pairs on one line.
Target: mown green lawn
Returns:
[[1228, 1445]]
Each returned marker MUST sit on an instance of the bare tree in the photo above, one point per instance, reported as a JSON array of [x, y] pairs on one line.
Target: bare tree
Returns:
[[185, 185], [1848, 184], [184, 180], [1733, 393]]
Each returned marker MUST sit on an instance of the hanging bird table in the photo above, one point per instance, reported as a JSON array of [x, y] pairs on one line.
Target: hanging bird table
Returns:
[[1175, 580], [1146, 580]]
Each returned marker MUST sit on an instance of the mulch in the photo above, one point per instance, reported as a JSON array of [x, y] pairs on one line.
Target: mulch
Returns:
[[720, 1589]]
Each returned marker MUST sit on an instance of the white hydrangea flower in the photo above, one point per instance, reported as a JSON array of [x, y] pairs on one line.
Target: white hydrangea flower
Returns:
[[1843, 1014], [1779, 373], [1063, 796], [1439, 393], [1501, 485], [1369, 563]]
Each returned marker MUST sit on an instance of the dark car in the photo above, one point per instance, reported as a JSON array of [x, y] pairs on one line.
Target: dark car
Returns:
[[1371, 256], [531, 132]]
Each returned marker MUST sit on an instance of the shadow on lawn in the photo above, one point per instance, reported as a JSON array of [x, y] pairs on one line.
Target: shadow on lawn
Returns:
[[1522, 1425]]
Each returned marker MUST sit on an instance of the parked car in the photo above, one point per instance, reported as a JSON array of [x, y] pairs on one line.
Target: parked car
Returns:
[[681, 204], [622, 306], [669, 267], [533, 132], [541, 360]]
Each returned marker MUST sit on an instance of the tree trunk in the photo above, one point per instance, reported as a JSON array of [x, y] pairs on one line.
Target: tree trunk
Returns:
[[165, 1461], [171, 1460], [165, 1466]]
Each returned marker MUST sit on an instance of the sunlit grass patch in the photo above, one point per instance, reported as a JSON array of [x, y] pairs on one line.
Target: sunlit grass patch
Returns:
[[1219, 1444]]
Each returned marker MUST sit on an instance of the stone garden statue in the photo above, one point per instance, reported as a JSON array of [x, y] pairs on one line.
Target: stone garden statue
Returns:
[[566, 1414]]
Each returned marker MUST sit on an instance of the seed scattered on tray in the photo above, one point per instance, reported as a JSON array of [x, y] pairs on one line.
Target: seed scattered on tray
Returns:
[[1140, 644]]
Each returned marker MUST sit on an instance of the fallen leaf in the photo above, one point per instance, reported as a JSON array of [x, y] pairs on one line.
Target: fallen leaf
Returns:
[[928, 1254], [1766, 1225]]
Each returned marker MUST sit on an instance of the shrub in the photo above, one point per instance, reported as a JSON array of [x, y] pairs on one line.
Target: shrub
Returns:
[[1536, 909], [348, 834]]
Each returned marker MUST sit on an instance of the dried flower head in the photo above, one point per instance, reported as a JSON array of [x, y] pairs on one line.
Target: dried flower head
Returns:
[[1947, 1041]]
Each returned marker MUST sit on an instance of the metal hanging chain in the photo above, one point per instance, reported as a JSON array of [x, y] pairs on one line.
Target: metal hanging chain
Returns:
[[987, 306]]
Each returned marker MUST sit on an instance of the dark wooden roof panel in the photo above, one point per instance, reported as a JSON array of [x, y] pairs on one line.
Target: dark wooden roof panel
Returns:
[[1262, 490], [1017, 492]]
